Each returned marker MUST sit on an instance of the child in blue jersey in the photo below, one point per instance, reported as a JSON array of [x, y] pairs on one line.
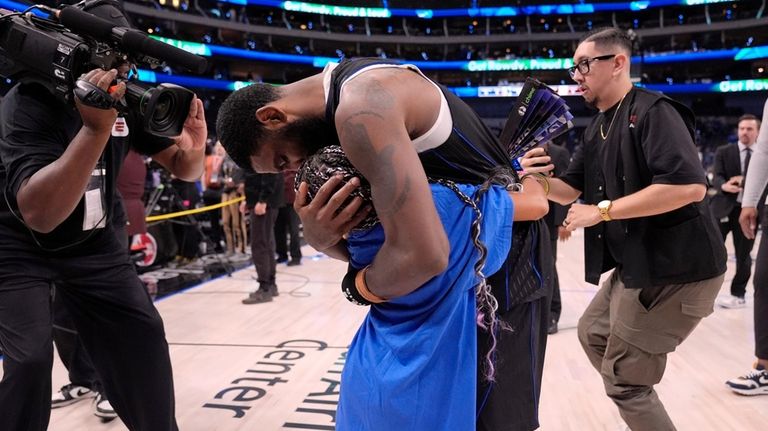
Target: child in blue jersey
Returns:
[[413, 363]]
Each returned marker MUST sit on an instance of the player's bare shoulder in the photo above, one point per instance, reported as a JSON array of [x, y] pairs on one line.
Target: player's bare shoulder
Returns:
[[399, 92], [376, 90]]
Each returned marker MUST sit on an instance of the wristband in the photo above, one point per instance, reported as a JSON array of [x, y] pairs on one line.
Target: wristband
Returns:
[[349, 289], [362, 288]]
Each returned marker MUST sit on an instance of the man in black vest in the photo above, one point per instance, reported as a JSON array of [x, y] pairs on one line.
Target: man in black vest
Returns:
[[639, 175], [731, 163]]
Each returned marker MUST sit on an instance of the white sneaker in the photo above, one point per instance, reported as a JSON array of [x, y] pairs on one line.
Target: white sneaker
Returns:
[[70, 394], [732, 302], [754, 382], [102, 408]]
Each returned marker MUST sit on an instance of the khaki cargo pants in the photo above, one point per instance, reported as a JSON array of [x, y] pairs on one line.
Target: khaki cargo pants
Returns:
[[628, 342]]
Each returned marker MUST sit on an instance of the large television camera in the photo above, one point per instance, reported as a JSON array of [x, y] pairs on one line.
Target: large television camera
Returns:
[[55, 50]]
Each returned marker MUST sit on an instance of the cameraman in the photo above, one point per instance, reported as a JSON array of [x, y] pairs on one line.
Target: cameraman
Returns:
[[62, 221]]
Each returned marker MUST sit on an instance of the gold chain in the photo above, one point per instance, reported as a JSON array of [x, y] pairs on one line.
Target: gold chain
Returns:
[[605, 135]]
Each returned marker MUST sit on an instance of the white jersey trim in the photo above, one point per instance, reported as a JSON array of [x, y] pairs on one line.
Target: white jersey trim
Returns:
[[440, 130]]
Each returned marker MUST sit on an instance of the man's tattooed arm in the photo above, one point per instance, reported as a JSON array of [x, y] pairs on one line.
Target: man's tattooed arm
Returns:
[[372, 131]]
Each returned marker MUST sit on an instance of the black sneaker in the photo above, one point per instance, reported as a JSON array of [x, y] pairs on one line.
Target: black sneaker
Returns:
[[258, 297], [294, 262], [271, 288], [70, 394], [281, 259], [552, 329], [103, 409], [755, 382]]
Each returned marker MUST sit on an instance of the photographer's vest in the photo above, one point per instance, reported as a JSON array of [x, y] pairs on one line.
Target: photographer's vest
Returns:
[[680, 246]]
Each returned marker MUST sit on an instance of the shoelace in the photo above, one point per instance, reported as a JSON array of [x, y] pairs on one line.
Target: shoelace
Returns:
[[753, 374]]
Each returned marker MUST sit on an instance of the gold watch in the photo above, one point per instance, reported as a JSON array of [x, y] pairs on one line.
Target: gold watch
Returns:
[[604, 207]]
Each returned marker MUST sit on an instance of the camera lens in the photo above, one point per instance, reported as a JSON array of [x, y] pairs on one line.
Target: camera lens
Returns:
[[164, 109]]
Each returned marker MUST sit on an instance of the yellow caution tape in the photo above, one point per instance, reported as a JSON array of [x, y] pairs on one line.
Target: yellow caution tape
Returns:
[[194, 211]]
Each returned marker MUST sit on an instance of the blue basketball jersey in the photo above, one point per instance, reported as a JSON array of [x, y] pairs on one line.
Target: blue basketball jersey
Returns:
[[413, 363]]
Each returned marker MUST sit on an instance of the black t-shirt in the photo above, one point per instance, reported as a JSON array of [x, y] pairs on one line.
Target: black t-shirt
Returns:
[[662, 132], [614, 232], [35, 129]]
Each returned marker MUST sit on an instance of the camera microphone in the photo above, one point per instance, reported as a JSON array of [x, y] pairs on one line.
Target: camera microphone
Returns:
[[132, 40], [85, 23], [136, 41]]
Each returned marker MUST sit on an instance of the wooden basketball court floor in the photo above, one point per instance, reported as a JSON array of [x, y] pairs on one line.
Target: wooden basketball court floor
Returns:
[[276, 366]]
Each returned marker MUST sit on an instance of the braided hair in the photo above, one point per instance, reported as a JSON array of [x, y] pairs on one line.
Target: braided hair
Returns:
[[332, 160], [326, 163]]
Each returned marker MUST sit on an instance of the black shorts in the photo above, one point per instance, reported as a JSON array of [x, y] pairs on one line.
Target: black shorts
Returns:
[[511, 403]]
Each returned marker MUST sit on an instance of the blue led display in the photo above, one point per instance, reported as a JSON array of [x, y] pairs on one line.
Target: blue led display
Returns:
[[751, 53], [723, 54], [466, 92], [505, 11]]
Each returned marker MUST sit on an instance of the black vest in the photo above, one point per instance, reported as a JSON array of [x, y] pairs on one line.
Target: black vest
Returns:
[[680, 246]]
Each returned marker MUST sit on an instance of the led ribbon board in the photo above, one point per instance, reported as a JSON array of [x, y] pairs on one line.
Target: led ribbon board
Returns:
[[505, 11]]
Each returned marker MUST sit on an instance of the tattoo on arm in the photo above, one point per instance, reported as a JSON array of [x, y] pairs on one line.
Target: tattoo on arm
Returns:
[[376, 95], [378, 165]]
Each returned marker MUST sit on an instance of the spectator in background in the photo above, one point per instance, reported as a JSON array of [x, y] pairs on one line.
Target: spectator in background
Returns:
[[232, 220], [263, 199], [185, 229], [731, 164], [213, 182], [287, 223], [755, 381]]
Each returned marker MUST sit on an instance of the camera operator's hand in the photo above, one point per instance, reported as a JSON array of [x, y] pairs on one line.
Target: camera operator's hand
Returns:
[[195, 130], [52, 193], [97, 119], [186, 159]]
